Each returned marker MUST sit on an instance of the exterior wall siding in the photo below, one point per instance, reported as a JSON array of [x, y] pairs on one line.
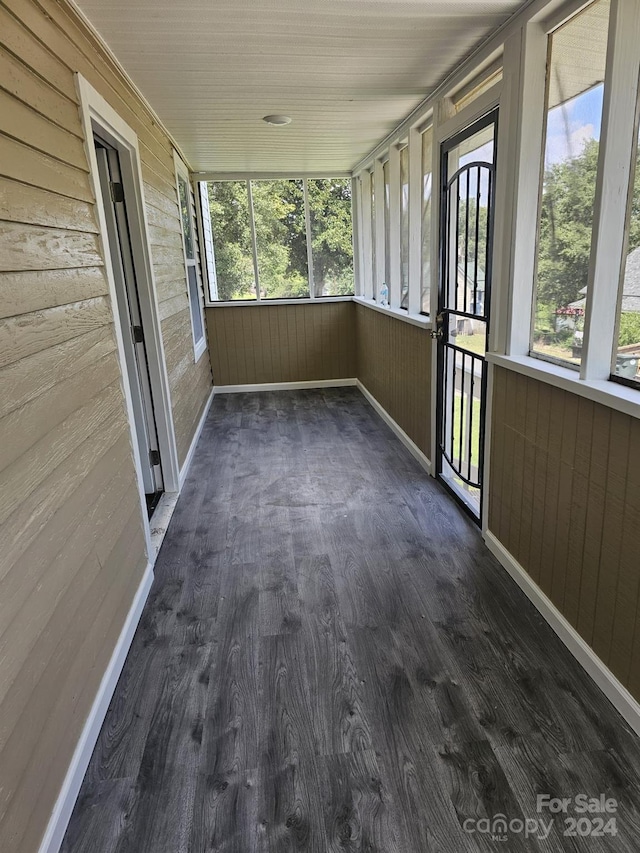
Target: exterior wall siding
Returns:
[[564, 499], [394, 364], [71, 534]]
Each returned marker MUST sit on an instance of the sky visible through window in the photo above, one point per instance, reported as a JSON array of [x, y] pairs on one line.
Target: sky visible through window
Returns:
[[572, 124]]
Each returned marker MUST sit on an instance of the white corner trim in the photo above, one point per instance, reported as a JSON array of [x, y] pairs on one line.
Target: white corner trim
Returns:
[[284, 386], [615, 692], [411, 446], [194, 441], [63, 808]]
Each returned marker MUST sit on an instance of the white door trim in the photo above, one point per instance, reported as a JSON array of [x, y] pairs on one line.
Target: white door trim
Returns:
[[98, 116]]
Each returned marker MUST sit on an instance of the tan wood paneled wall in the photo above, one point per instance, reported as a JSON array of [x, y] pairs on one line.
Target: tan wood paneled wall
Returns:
[[70, 522], [282, 343], [394, 364], [564, 499]]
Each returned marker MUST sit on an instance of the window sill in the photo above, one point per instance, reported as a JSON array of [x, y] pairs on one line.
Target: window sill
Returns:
[[414, 319], [199, 349], [250, 303], [603, 391]]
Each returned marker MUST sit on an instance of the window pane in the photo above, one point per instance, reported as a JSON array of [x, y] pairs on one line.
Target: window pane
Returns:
[[469, 225], [194, 301], [574, 111], [187, 231], [207, 240], [404, 227], [281, 237], [231, 231], [627, 356], [426, 220], [331, 236], [387, 225]]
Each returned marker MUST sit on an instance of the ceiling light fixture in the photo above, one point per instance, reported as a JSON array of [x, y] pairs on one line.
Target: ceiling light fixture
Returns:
[[277, 121]]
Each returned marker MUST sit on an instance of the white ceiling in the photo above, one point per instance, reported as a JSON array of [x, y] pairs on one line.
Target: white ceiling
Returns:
[[346, 71]]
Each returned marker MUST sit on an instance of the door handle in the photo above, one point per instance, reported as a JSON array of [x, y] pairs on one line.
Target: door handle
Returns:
[[438, 332]]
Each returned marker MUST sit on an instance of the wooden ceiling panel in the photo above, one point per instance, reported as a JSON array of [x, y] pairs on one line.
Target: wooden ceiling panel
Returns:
[[346, 71]]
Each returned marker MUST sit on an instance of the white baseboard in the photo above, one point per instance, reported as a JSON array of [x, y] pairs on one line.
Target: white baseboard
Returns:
[[615, 692], [194, 442], [411, 446], [284, 386], [61, 814]]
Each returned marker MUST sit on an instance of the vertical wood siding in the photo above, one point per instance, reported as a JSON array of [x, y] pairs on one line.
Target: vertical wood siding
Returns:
[[70, 524], [394, 364], [282, 343], [564, 499]]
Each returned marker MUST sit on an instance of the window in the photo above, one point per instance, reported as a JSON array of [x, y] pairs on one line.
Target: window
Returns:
[[231, 240], [331, 236], [627, 347], [274, 239], [191, 264], [427, 152], [576, 67], [404, 227], [281, 239]]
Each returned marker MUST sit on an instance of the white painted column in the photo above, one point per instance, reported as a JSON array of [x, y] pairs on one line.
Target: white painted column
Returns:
[[415, 221], [378, 177], [394, 226], [367, 248]]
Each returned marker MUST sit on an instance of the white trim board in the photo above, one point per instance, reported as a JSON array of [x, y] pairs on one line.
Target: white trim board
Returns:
[[98, 115], [421, 320], [411, 446], [70, 789], [194, 441], [59, 820], [251, 303], [615, 692], [284, 386]]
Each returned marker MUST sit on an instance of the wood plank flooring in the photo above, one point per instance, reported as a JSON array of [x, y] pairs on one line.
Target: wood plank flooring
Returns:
[[330, 660]]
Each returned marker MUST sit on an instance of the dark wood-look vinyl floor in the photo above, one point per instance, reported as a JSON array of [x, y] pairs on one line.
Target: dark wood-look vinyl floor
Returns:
[[330, 660]]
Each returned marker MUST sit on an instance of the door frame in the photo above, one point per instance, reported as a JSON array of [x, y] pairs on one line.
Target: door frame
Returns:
[[448, 123], [99, 117], [487, 120]]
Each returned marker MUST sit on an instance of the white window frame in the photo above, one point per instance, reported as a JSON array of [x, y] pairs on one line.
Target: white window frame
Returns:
[[182, 173], [201, 178], [521, 165], [369, 281], [379, 236], [356, 219]]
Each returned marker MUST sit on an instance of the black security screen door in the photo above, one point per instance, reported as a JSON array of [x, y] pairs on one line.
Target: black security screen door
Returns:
[[466, 237]]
